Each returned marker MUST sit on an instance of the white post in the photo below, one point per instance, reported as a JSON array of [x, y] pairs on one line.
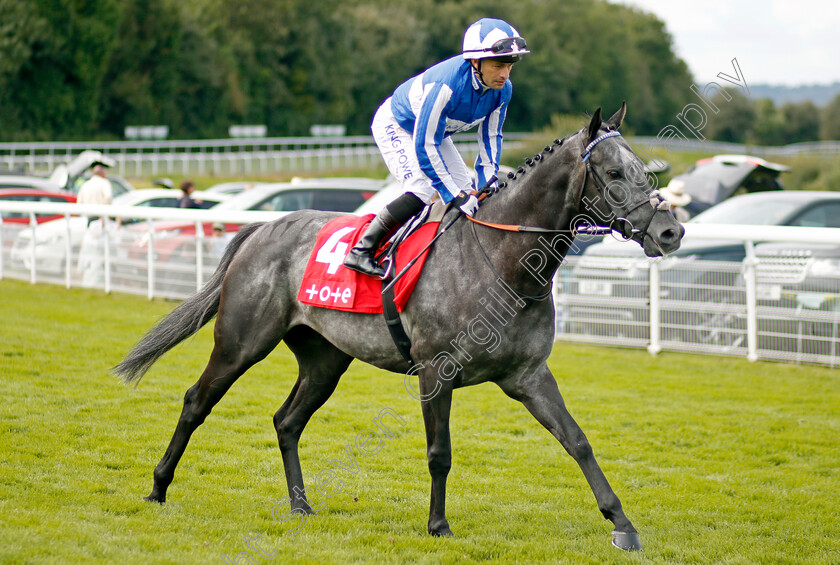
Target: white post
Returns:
[[107, 250], [1, 247], [68, 251], [150, 261], [655, 346], [199, 255], [33, 224], [752, 314]]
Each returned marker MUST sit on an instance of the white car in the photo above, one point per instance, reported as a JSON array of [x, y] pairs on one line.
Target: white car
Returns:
[[51, 237], [393, 189], [339, 194]]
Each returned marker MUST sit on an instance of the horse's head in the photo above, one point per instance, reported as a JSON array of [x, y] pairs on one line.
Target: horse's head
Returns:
[[616, 190]]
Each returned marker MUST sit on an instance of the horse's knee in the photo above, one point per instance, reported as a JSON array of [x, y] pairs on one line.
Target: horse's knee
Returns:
[[440, 461], [580, 449], [288, 433]]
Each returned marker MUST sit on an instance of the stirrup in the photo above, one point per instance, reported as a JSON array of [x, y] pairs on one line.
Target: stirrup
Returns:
[[388, 266]]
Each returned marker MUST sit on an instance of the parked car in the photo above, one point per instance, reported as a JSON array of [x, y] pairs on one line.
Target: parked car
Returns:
[[392, 188], [50, 247], [609, 288], [174, 245], [328, 194], [233, 187], [32, 195], [798, 296], [714, 179], [119, 185], [167, 198], [25, 181], [69, 177]]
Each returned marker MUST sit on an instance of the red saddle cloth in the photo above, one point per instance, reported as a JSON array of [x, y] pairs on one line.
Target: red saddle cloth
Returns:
[[329, 284]]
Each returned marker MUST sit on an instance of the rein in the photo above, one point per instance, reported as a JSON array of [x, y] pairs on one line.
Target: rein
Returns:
[[590, 230]]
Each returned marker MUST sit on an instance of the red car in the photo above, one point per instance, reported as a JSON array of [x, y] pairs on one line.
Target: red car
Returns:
[[33, 195]]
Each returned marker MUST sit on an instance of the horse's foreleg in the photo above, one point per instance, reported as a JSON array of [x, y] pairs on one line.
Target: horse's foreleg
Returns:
[[539, 393], [439, 454]]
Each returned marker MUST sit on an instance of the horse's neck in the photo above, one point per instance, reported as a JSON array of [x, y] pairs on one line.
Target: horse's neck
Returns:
[[544, 196]]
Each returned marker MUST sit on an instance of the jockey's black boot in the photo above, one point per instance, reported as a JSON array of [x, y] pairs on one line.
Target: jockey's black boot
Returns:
[[362, 257]]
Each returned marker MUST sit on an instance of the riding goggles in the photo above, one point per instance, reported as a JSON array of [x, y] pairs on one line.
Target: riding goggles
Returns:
[[506, 46]]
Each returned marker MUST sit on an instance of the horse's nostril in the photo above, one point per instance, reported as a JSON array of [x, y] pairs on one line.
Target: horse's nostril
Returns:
[[670, 235]]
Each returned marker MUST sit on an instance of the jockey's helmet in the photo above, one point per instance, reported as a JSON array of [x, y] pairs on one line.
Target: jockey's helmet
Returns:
[[494, 39]]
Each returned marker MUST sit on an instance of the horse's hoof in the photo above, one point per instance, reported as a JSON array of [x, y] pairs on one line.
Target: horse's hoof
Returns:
[[441, 530], [155, 498], [628, 541]]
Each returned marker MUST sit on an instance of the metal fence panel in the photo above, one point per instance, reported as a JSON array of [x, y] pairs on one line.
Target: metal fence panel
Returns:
[[790, 313]]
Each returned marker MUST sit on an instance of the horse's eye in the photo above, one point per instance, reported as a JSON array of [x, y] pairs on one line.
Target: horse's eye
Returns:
[[613, 174]]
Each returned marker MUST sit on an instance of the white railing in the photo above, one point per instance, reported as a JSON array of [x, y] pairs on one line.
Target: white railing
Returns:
[[215, 157], [761, 308], [128, 252], [765, 307], [708, 146]]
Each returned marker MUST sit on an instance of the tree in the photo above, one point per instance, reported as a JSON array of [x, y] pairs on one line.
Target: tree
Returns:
[[769, 123], [142, 76], [54, 57], [82, 68], [830, 122], [801, 122], [736, 119]]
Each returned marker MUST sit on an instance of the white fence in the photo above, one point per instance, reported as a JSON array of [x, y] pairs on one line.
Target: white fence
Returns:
[[215, 157], [774, 308], [782, 307], [707, 146], [128, 253]]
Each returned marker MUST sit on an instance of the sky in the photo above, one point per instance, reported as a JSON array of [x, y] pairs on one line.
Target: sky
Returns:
[[778, 42]]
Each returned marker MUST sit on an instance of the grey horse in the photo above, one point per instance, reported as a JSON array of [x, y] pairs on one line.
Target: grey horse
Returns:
[[481, 311]]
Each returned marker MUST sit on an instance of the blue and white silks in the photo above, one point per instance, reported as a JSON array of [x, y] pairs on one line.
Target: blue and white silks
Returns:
[[445, 99]]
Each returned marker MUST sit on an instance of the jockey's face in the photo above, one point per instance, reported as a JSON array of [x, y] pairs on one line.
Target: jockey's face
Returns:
[[494, 74]]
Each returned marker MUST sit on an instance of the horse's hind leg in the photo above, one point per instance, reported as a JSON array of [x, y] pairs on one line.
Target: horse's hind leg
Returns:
[[321, 365], [541, 397], [236, 349]]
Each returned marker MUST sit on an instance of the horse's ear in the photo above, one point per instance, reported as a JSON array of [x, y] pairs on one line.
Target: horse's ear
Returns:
[[594, 126], [615, 121]]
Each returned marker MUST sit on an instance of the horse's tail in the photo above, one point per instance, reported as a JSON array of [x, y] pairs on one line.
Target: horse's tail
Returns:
[[183, 321]]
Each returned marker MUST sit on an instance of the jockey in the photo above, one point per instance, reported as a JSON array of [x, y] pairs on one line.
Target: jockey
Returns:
[[413, 127]]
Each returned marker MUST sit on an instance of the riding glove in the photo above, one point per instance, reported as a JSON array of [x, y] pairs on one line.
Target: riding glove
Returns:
[[468, 203]]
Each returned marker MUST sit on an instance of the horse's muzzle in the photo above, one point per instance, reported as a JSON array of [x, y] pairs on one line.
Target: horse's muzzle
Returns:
[[664, 236]]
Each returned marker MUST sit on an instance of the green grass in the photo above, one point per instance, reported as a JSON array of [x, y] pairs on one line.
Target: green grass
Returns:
[[716, 460]]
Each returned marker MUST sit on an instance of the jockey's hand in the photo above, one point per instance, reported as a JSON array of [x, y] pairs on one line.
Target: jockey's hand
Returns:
[[467, 203]]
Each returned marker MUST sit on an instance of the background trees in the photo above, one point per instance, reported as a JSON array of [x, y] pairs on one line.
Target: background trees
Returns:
[[86, 69]]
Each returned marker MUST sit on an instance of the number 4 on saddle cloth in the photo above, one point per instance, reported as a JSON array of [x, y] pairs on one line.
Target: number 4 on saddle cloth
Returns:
[[329, 284]]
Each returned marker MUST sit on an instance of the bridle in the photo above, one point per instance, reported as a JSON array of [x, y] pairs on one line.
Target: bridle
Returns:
[[627, 229]]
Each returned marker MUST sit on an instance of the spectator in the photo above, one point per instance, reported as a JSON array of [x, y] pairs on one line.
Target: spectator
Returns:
[[186, 201], [97, 189], [218, 240], [676, 196]]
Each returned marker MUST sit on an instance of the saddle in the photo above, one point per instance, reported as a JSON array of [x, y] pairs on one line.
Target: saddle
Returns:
[[326, 283], [431, 214]]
